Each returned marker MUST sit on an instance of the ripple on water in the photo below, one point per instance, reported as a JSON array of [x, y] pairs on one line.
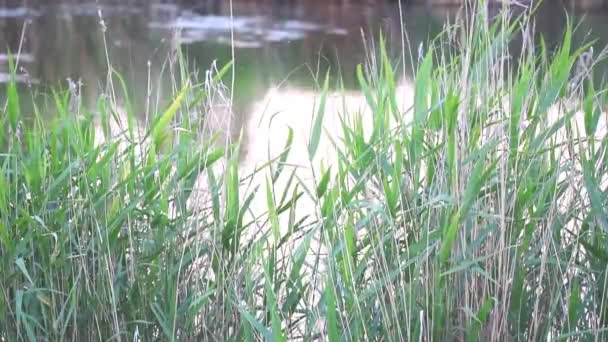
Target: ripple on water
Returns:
[[249, 31], [18, 12]]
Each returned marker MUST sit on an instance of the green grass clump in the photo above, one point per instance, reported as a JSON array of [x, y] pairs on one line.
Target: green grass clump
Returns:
[[478, 214]]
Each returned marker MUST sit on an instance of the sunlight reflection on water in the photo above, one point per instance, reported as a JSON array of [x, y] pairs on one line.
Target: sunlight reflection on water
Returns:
[[268, 126]]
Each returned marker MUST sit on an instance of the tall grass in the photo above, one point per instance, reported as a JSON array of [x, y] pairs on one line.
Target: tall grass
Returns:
[[478, 214]]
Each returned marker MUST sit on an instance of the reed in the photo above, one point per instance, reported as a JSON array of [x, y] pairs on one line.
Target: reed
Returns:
[[477, 214]]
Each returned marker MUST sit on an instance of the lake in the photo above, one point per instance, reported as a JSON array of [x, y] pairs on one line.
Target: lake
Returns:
[[280, 47]]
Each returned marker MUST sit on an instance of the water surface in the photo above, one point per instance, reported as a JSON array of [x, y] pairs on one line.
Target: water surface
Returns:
[[284, 44]]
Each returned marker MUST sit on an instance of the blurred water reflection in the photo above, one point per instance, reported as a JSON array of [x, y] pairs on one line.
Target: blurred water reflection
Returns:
[[277, 43], [281, 109]]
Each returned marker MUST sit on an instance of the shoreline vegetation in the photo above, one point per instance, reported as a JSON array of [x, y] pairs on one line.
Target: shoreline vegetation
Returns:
[[478, 213]]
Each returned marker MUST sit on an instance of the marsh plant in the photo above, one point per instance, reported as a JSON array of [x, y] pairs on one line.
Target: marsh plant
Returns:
[[477, 214]]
